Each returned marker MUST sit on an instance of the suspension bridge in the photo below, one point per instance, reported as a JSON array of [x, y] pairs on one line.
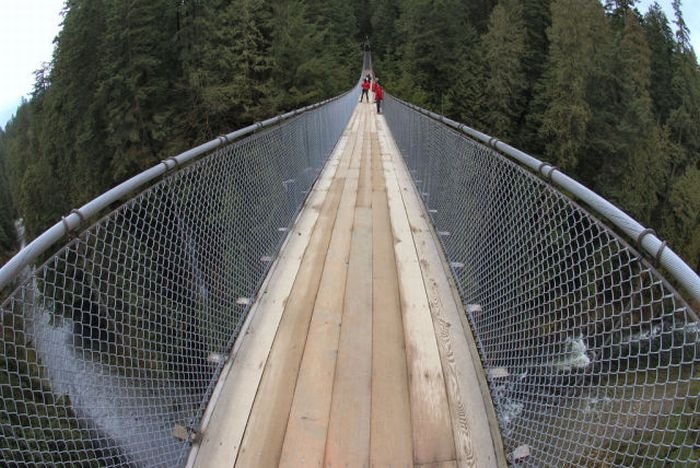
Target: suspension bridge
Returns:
[[338, 287]]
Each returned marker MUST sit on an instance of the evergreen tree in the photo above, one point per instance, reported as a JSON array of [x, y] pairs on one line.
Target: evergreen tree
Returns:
[[503, 85], [363, 15], [8, 238], [579, 44], [479, 12], [38, 198], [71, 130], [295, 47], [684, 119], [136, 82], [339, 55], [661, 43], [231, 70], [682, 217], [438, 44], [19, 145], [386, 41], [635, 175]]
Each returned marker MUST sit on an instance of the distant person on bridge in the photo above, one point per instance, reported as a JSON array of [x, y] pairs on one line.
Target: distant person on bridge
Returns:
[[378, 94], [365, 90]]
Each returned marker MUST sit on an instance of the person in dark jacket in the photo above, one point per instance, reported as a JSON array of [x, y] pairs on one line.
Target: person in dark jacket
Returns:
[[365, 90], [378, 94]]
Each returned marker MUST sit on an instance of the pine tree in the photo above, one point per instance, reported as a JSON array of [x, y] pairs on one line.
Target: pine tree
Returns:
[[295, 44], [684, 119], [363, 14], [479, 12], [72, 136], [682, 217], [660, 39], [340, 55], [234, 70], [635, 175], [503, 86], [437, 47], [8, 238], [579, 44], [136, 82], [385, 36]]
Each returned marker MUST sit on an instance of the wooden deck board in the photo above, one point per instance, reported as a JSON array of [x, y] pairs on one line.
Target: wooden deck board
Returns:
[[355, 352], [474, 447], [264, 435], [305, 438], [348, 432], [391, 432], [433, 439], [223, 429]]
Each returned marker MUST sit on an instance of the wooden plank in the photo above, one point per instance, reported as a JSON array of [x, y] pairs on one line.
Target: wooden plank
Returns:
[[226, 416], [443, 464], [349, 426], [431, 421], [364, 191], [390, 433], [461, 364], [305, 436], [264, 433]]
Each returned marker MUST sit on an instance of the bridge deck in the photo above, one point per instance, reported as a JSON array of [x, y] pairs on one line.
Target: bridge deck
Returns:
[[355, 352]]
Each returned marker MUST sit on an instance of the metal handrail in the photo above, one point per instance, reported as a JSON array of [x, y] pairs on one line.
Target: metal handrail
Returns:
[[645, 237], [76, 217]]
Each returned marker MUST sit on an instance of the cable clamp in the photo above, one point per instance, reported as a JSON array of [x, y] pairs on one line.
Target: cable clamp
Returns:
[[77, 212], [643, 233], [657, 257], [175, 162], [548, 176], [68, 231]]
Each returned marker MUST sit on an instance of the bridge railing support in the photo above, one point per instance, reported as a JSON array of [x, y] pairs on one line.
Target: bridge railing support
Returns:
[[110, 349], [590, 353]]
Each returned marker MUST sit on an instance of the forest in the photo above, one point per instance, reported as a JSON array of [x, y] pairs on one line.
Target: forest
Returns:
[[608, 93]]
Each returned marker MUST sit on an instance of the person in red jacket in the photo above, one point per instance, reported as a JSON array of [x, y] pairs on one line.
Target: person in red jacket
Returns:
[[365, 90], [378, 94]]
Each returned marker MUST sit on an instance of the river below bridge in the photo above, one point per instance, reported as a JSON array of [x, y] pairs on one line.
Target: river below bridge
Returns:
[[126, 413]]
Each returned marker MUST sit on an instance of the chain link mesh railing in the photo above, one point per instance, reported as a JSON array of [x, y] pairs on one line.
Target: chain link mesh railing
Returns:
[[120, 336], [591, 356]]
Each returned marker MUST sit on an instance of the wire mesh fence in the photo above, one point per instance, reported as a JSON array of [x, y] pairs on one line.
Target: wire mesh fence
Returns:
[[591, 355], [119, 337]]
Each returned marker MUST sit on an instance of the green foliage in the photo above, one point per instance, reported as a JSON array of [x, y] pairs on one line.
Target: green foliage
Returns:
[[35, 424], [8, 238], [132, 83], [607, 94], [611, 97], [503, 84], [681, 222], [579, 41], [661, 44]]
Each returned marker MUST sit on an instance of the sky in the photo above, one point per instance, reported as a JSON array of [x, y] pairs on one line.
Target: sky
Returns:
[[28, 28]]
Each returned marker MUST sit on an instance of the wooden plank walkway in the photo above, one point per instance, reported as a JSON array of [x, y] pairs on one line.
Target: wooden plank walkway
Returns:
[[355, 353]]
